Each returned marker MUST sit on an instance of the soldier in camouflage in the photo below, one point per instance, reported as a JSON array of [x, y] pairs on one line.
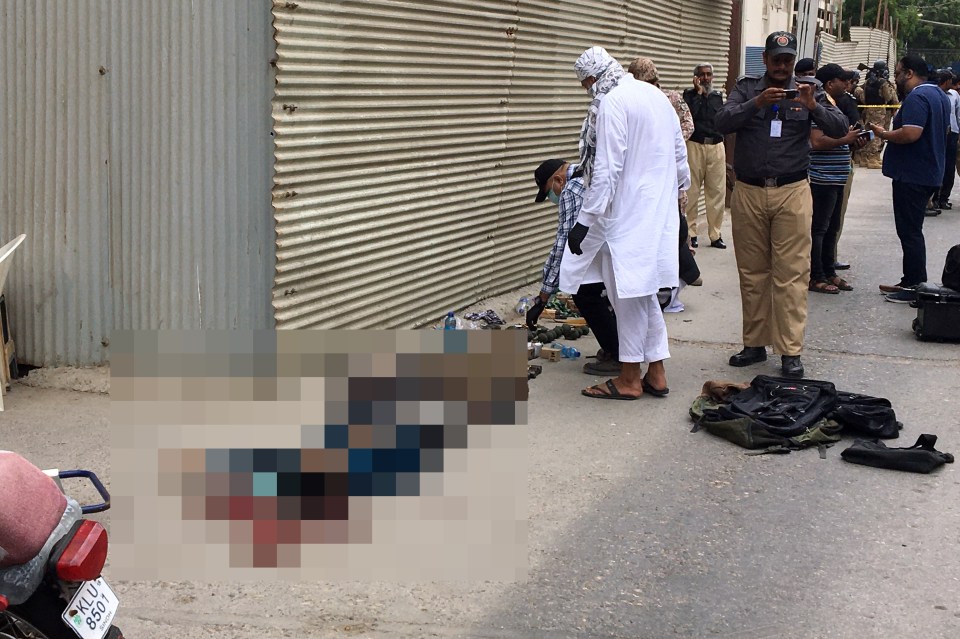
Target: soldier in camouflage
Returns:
[[877, 91]]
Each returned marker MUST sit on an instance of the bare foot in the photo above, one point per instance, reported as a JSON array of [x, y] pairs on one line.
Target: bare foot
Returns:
[[656, 376]]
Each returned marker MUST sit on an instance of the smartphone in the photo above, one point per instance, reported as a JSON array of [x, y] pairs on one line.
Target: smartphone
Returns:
[[791, 94], [866, 135]]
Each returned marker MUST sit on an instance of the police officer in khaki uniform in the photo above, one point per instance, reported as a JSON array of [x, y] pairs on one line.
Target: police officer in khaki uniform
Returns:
[[772, 209]]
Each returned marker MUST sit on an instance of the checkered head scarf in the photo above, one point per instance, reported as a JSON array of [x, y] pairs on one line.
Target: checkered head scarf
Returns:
[[595, 62]]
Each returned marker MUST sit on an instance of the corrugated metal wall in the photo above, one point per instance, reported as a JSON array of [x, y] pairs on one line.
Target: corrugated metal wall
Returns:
[[136, 154], [866, 46], [408, 132]]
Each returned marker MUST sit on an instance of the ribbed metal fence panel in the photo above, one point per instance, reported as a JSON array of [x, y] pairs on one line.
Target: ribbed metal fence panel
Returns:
[[408, 132], [136, 154]]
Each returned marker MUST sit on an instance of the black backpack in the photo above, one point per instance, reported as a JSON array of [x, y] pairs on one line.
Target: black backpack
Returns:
[[951, 270]]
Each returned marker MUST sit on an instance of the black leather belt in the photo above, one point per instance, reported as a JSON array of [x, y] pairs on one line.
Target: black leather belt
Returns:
[[706, 139], [773, 182]]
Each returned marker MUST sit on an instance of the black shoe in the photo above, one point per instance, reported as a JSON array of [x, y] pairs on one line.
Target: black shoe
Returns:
[[902, 297], [792, 366], [718, 243], [749, 355], [931, 212], [693, 241], [841, 266]]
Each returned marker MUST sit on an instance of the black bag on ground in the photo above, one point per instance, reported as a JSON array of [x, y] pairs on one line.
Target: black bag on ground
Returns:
[[938, 314], [785, 407], [865, 415], [922, 457], [951, 269]]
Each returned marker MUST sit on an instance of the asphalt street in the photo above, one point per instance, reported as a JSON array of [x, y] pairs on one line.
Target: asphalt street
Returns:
[[638, 527]]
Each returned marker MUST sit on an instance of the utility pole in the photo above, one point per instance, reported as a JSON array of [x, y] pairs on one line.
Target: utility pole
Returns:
[[863, 7], [879, 13], [840, 22], [807, 28]]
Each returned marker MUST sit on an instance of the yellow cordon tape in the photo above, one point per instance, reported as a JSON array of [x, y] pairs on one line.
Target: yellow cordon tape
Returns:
[[878, 106]]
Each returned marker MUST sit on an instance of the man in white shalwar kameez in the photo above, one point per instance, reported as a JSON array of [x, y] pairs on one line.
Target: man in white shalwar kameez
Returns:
[[628, 227]]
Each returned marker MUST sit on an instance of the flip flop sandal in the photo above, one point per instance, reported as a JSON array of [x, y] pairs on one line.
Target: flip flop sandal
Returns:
[[656, 392], [823, 286], [840, 283], [612, 392]]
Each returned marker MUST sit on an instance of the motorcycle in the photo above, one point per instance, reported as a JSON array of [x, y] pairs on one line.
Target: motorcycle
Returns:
[[51, 557]]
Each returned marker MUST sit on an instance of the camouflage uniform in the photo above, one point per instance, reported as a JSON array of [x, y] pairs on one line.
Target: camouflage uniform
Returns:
[[858, 95], [877, 92]]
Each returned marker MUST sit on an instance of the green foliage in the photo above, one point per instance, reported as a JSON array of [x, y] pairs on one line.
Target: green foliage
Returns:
[[915, 33]]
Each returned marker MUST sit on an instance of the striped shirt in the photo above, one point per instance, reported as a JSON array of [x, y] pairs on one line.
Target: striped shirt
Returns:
[[831, 167]]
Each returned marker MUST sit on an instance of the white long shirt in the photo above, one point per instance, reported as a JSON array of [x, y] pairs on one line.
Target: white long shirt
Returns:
[[954, 110], [631, 204]]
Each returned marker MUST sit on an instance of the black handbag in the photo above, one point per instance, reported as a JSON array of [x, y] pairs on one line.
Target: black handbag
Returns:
[[922, 457]]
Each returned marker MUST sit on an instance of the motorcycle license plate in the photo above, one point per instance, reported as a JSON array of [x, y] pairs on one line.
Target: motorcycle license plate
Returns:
[[92, 609]]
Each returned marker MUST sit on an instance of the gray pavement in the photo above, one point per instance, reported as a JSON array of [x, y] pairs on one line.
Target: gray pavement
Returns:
[[640, 528]]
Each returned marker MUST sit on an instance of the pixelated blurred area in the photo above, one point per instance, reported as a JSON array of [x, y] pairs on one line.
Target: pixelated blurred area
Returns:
[[314, 454]]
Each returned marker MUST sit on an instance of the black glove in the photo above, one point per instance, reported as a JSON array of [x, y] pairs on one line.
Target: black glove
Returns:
[[533, 315], [577, 233]]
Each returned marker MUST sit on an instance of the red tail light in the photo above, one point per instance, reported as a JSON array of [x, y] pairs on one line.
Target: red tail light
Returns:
[[3, 603], [84, 556]]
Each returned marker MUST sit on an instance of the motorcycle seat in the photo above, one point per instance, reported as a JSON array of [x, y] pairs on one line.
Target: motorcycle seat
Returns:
[[31, 507]]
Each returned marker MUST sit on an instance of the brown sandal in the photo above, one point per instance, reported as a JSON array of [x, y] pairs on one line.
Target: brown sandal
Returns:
[[823, 286], [840, 283]]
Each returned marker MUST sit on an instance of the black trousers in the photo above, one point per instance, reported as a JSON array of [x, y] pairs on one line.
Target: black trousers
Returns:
[[597, 310], [909, 204], [827, 204], [950, 170]]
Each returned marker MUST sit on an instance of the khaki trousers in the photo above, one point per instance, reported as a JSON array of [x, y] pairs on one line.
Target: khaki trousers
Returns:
[[771, 234], [843, 209], [708, 167]]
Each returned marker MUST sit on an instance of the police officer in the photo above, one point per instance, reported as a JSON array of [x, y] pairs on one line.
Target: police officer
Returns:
[[878, 93], [706, 156], [772, 209]]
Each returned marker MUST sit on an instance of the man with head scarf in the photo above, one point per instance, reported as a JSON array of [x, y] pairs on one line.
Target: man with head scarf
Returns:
[[628, 229], [598, 73]]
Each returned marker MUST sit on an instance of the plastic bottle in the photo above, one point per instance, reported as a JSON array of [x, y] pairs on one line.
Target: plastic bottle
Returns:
[[570, 352], [450, 322], [523, 306]]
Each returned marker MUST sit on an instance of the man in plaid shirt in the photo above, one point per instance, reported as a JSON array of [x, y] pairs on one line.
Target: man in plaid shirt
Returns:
[[562, 183]]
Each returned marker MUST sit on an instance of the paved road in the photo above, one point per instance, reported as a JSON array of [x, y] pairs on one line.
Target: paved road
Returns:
[[640, 528]]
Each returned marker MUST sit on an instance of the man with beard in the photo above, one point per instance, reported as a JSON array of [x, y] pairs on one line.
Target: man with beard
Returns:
[[915, 162], [878, 93], [705, 153], [771, 208]]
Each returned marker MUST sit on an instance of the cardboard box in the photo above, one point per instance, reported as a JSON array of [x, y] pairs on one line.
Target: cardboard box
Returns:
[[551, 354]]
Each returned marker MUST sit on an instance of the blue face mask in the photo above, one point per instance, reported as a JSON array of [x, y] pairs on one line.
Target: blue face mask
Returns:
[[553, 197]]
